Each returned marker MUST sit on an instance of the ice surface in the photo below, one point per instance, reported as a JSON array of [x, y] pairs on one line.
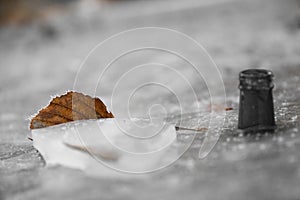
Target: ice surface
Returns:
[[99, 146], [262, 34]]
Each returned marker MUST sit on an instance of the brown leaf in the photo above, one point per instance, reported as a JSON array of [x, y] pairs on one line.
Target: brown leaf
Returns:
[[70, 107]]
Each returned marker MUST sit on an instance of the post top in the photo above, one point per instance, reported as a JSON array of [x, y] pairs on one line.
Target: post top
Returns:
[[256, 79]]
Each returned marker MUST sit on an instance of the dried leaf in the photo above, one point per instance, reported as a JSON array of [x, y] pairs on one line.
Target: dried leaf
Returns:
[[70, 107]]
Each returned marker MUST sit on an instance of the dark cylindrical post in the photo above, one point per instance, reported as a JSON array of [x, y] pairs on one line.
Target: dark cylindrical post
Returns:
[[256, 112]]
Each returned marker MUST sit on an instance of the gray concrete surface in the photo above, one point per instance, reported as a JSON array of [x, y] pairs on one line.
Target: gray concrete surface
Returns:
[[41, 59]]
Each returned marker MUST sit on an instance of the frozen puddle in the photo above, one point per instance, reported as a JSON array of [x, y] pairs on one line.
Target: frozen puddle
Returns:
[[108, 146]]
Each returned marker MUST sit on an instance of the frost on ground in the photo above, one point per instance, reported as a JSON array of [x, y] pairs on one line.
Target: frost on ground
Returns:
[[237, 34]]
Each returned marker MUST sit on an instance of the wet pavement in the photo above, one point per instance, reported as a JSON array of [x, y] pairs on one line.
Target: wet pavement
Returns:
[[41, 60]]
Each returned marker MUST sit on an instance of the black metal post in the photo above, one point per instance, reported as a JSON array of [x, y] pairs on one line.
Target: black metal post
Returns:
[[256, 112]]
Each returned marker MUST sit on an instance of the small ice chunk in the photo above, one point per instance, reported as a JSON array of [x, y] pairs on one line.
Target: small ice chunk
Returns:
[[98, 146]]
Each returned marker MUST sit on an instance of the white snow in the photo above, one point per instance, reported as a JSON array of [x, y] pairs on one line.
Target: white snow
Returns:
[[103, 147]]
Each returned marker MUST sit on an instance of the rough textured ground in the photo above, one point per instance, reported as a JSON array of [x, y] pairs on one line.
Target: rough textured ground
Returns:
[[42, 59]]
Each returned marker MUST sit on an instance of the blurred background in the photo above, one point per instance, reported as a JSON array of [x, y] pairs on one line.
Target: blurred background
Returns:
[[43, 42]]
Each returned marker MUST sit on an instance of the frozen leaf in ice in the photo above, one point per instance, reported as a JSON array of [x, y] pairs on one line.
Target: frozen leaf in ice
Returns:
[[98, 146], [70, 107]]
